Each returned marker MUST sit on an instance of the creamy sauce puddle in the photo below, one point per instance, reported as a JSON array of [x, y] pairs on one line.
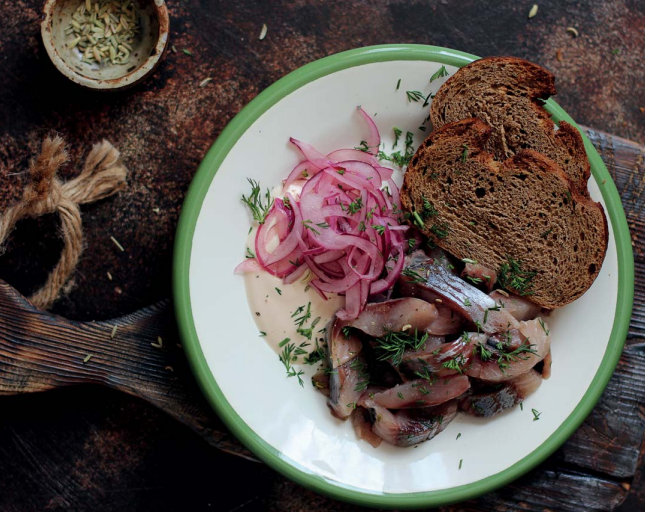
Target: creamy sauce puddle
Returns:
[[275, 311]]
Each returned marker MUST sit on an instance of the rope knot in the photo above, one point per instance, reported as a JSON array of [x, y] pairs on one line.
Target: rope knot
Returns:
[[103, 175]]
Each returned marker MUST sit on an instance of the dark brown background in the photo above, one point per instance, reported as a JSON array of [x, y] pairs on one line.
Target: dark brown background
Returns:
[[92, 449]]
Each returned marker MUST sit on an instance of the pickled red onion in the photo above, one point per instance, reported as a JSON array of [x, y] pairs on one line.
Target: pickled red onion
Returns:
[[343, 226]]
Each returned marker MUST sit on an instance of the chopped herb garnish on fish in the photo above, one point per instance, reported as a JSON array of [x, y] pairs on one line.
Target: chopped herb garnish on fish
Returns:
[[379, 229], [278, 290], [546, 331], [457, 363], [262, 334], [249, 253], [398, 84], [458, 435], [392, 345], [460, 463], [414, 276], [536, 414]]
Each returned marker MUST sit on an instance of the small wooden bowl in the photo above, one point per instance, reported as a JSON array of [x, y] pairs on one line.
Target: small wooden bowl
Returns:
[[148, 47]]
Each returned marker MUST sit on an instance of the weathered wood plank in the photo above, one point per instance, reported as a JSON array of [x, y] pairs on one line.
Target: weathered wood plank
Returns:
[[41, 351], [609, 441], [625, 161], [544, 490]]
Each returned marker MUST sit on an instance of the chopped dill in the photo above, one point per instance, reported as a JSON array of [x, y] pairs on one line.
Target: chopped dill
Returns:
[[414, 96], [439, 74], [392, 345], [511, 276], [258, 208]]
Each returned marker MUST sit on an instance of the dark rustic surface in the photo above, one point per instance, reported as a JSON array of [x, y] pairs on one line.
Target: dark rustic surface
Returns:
[[88, 448]]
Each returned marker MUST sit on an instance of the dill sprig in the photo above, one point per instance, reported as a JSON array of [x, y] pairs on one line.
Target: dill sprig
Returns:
[[393, 344], [258, 208], [414, 276], [301, 320], [439, 74], [464, 153], [397, 157], [308, 332], [511, 276], [457, 363], [287, 356], [397, 136], [363, 375], [504, 359], [414, 96]]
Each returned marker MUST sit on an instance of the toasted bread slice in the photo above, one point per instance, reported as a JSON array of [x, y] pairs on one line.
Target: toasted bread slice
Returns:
[[506, 93], [520, 217]]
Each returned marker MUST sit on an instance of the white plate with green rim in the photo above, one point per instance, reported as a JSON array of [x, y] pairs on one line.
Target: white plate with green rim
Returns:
[[290, 427]]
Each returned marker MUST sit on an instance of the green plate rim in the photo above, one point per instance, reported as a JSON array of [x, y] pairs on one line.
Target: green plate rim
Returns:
[[182, 251]]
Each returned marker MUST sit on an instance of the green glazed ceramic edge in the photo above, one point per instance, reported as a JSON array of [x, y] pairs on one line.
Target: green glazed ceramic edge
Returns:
[[182, 252]]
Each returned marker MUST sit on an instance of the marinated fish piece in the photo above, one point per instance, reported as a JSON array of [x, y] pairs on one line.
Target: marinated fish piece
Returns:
[[447, 322], [509, 340], [546, 366], [422, 392], [343, 344], [479, 274], [446, 359], [378, 319], [520, 307], [346, 385], [507, 395], [492, 365], [320, 380], [432, 282], [413, 426], [362, 423]]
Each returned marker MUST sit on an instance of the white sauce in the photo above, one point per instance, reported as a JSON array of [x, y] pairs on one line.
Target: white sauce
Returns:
[[273, 310]]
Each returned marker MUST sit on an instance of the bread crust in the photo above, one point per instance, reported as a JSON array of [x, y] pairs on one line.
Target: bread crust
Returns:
[[507, 93], [525, 208]]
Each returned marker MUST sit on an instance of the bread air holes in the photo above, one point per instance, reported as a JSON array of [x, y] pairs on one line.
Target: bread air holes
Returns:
[[480, 192], [592, 268]]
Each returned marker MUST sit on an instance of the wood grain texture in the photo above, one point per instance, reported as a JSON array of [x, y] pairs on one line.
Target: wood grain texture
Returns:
[[140, 354], [88, 448]]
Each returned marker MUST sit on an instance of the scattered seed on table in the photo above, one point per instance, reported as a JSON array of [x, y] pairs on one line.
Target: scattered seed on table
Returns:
[[533, 10], [116, 242]]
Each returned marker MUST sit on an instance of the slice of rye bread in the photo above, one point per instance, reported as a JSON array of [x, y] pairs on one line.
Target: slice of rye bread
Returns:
[[524, 208], [505, 93]]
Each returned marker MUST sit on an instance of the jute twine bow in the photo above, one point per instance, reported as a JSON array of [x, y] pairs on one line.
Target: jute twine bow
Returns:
[[102, 176]]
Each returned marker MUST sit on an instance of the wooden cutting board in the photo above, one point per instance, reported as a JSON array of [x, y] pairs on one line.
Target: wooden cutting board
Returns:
[[141, 354]]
